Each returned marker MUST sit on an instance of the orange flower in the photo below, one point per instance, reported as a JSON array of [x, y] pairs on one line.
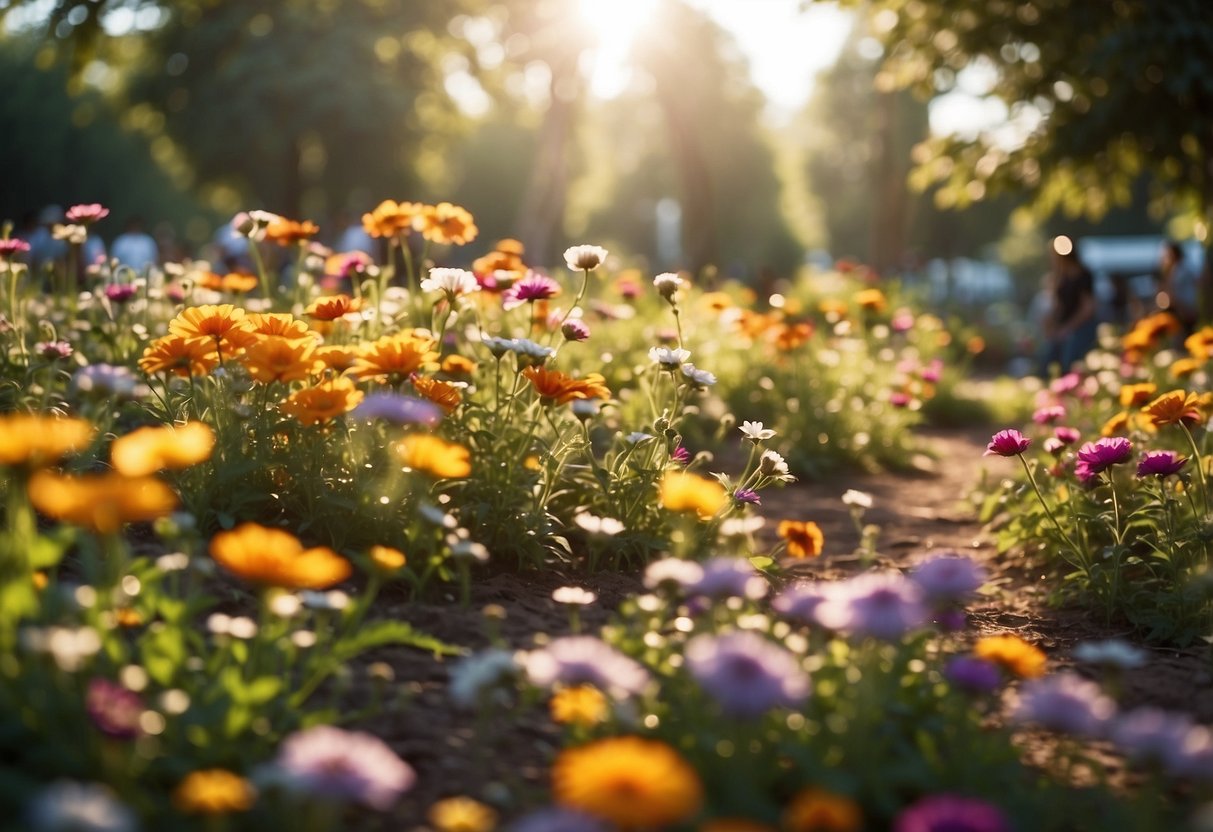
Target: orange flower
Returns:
[[180, 356], [1200, 343], [717, 301], [397, 356], [223, 325], [580, 705], [275, 557], [100, 502], [445, 223], [441, 393], [286, 232], [390, 218], [36, 439], [632, 782], [332, 307], [237, 283], [684, 491], [337, 358], [213, 791], [816, 810], [1132, 395], [1012, 653], [148, 450], [1184, 367], [805, 540], [386, 559], [434, 456], [275, 358], [1116, 425], [833, 309], [505, 257], [871, 300], [322, 403], [280, 324], [554, 387], [458, 365], [462, 814], [128, 618], [790, 336], [1173, 407]]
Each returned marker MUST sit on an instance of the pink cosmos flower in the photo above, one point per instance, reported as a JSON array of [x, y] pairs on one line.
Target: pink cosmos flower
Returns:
[[534, 286], [1102, 454], [86, 214], [1008, 442], [575, 329]]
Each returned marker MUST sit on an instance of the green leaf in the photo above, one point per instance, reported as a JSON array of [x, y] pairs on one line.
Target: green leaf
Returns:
[[384, 633]]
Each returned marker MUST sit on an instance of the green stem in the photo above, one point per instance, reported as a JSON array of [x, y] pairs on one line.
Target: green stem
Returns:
[[1041, 497], [1200, 466]]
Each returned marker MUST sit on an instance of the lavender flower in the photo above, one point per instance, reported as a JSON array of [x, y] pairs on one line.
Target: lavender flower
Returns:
[[577, 660], [1065, 702], [1008, 442], [1193, 758], [1152, 736], [948, 579], [67, 806], [1102, 454], [950, 813], [345, 765], [559, 819], [800, 600], [1160, 464], [882, 605], [746, 495], [729, 578], [113, 709], [972, 674], [745, 673], [397, 408]]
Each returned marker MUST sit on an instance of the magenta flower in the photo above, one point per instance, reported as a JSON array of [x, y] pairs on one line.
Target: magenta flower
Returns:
[[575, 329], [113, 709], [534, 286], [933, 371], [746, 495], [120, 292], [1066, 383], [329, 762], [1160, 464], [949, 813], [680, 455], [53, 350], [86, 214], [745, 673], [899, 398], [1008, 442], [1100, 455], [8, 248], [1067, 435], [1049, 415]]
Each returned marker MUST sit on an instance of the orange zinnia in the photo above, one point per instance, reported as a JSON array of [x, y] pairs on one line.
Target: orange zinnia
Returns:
[[100, 502], [237, 283], [398, 356], [36, 439], [390, 218], [223, 325], [434, 456], [445, 223], [332, 307], [148, 450], [274, 557], [1012, 653], [322, 403], [180, 356], [1173, 407], [555, 387], [458, 365], [281, 324], [275, 358], [441, 393], [1184, 367], [286, 232], [505, 257], [805, 540], [1200, 343]]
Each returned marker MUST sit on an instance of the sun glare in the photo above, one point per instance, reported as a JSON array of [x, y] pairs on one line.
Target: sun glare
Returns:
[[615, 24]]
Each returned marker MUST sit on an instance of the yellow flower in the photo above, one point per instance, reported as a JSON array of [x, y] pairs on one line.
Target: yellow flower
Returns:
[[805, 540], [441, 393], [322, 403], [387, 559], [872, 300], [100, 502], [462, 814], [684, 491], [1200, 343], [555, 387], [213, 791], [237, 283], [1116, 425], [390, 218], [816, 810], [282, 324], [180, 356], [337, 358], [332, 307], [1013, 653], [1173, 407], [148, 450], [434, 456], [1185, 367], [580, 705], [128, 618], [275, 358], [274, 557], [632, 782], [458, 365], [35, 439], [396, 356], [1132, 395], [445, 223], [224, 326]]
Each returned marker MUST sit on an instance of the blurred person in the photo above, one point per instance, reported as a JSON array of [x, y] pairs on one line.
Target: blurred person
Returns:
[[44, 249], [353, 236], [1178, 286], [1069, 321], [134, 247]]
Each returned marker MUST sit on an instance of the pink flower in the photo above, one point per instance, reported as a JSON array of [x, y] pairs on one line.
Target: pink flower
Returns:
[[1160, 464], [575, 329], [933, 371], [8, 248], [1067, 436], [1049, 415], [534, 286], [899, 399], [1008, 442], [86, 214], [1102, 454]]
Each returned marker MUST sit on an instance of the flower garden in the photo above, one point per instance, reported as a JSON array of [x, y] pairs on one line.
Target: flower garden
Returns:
[[346, 544]]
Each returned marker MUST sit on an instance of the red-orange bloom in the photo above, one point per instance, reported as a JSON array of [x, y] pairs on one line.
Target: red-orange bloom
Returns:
[[286, 232], [441, 393], [332, 307], [555, 387]]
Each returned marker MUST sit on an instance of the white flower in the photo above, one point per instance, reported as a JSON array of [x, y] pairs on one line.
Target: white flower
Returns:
[[584, 408], [69, 647], [573, 595], [741, 526], [453, 282], [333, 600], [772, 464], [242, 627], [670, 359], [667, 284], [700, 378], [608, 526], [1111, 653], [857, 499], [584, 258], [67, 806], [672, 570], [173, 562], [285, 605], [755, 432]]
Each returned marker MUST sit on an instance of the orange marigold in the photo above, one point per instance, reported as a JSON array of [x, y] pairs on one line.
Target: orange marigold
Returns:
[[1173, 407], [445, 223], [237, 283], [224, 325], [555, 387], [434, 456], [37, 439], [179, 356], [872, 300], [805, 540], [1012, 653], [390, 218], [148, 450], [275, 557], [816, 810], [324, 402], [281, 324], [1184, 367], [275, 358], [458, 365], [286, 232], [337, 358], [442, 393], [332, 307], [100, 502], [396, 356]]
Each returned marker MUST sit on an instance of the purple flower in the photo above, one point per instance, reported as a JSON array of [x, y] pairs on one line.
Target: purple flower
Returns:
[[53, 350], [578, 660], [559, 819], [799, 601], [1102, 454], [729, 578], [1066, 383], [972, 674], [346, 765], [1049, 415], [86, 214], [534, 286], [113, 709], [949, 813], [949, 578], [1065, 702], [680, 455], [1008, 442], [745, 673], [1160, 464], [1067, 435], [120, 292], [883, 605], [1152, 736], [746, 495], [575, 329], [397, 408], [1193, 759]]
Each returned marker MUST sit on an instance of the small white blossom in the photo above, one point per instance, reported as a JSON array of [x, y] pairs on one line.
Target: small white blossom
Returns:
[[475, 673], [697, 377], [584, 258], [667, 285], [755, 432], [453, 282], [857, 499], [772, 464], [608, 526], [573, 595], [670, 359]]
